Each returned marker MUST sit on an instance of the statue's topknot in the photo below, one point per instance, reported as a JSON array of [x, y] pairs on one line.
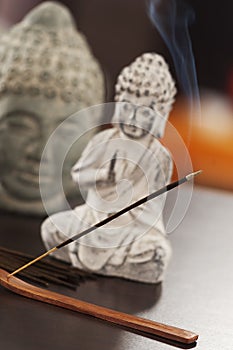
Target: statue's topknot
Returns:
[[148, 75]]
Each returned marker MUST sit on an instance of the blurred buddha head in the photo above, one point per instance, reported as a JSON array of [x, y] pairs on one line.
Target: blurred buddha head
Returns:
[[47, 72]]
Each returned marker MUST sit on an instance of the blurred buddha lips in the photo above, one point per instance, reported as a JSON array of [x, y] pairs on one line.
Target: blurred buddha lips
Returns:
[[29, 175], [34, 179], [25, 180], [26, 185], [29, 179]]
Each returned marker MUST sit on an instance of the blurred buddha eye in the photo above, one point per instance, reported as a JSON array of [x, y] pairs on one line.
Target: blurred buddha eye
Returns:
[[20, 124], [145, 113], [18, 127]]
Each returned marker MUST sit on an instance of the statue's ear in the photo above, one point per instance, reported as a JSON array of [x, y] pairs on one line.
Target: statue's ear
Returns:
[[161, 128], [159, 125]]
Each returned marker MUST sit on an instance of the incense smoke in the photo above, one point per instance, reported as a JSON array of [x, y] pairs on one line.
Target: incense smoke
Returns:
[[172, 19]]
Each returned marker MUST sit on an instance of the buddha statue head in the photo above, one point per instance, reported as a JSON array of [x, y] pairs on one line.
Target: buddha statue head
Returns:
[[47, 73], [145, 90]]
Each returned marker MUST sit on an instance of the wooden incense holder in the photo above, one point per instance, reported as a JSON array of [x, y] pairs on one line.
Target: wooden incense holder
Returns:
[[118, 318]]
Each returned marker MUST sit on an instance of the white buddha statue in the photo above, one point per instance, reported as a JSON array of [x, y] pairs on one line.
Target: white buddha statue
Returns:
[[47, 73], [119, 166]]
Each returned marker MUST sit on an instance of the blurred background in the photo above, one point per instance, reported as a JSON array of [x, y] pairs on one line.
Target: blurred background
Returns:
[[120, 30]]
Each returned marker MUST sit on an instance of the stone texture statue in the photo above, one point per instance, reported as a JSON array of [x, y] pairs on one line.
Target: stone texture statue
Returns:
[[47, 72], [119, 166]]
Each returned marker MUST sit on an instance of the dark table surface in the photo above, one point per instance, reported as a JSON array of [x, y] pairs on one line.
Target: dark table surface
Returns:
[[196, 295]]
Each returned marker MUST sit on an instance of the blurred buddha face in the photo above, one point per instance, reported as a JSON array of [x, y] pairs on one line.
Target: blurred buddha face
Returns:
[[24, 135], [25, 169]]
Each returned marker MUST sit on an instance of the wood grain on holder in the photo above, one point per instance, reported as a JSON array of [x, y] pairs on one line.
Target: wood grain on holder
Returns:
[[115, 317]]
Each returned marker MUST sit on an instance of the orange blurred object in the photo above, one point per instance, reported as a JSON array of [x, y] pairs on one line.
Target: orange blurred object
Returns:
[[209, 139]]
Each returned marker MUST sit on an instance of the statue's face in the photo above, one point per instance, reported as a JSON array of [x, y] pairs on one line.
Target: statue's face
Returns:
[[23, 137], [136, 121], [25, 128]]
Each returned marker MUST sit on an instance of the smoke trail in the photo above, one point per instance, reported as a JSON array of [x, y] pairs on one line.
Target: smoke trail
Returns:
[[172, 19]]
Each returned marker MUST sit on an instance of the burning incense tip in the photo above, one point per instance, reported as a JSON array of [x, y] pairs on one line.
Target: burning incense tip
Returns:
[[192, 175]]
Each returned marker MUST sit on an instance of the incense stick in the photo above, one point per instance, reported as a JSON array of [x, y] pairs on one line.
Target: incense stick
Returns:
[[44, 272], [109, 219]]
